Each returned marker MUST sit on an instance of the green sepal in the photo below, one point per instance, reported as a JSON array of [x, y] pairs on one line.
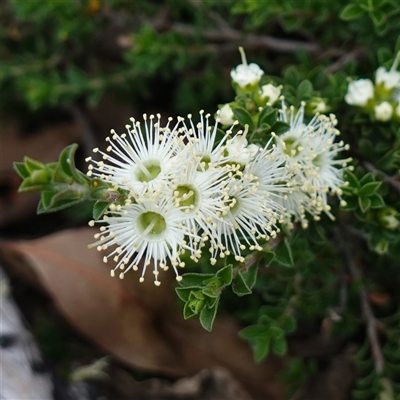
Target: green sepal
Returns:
[[243, 116], [207, 316], [21, 170], [99, 209]]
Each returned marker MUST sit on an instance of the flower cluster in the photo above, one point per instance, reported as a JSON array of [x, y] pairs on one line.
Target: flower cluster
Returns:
[[190, 188], [186, 190], [382, 99]]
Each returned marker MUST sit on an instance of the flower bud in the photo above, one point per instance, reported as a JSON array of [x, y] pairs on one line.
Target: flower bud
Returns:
[[316, 105], [382, 247], [387, 218], [383, 111], [269, 93], [246, 75], [359, 92], [226, 115]]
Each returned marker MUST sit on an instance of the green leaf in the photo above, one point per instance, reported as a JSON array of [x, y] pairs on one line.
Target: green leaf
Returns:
[[367, 178], [193, 280], [279, 345], [351, 12], [254, 332], [268, 256], [284, 254], [99, 208], [378, 17], [207, 316], [225, 274], [377, 201], [239, 285], [352, 179], [28, 186], [188, 311], [33, 165], [288, 323], [183, 293], [67, 164], [369, 189], [261, 349], [21, 170], [250, 276], [244, 117], [280, 127], [268, 116], [364, 203], [305, 89]]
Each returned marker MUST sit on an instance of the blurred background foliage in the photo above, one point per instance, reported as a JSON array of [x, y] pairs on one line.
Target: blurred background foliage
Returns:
[[340, 280]]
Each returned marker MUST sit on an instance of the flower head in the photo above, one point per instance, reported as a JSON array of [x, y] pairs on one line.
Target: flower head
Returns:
[[246, 74], [139, 160], [151, 231], [310, 152], [389, 79]]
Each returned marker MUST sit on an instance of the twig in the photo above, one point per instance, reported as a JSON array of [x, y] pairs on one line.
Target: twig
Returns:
[[372, 322], [248, 40], [386, 178], [345, 59]]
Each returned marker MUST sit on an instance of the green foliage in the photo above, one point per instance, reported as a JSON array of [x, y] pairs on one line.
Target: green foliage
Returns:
[[56, 54], [61, 183]]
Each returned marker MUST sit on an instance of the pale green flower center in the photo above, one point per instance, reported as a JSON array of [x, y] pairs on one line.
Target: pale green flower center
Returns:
[[291, 147], [152, 224], [186, 196]]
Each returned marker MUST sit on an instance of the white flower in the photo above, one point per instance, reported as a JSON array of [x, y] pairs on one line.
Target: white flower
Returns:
[[200, 195], [151, 232], [226, 115], [237, 150], [270, 91], [138, 161], [246, 74], [249, 219], [359, 92], [398, 109], [383, 111], [389, 79], [310, 158]]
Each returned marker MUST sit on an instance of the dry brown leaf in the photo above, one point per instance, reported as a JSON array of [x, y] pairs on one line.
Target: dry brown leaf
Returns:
[[140, 324]]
